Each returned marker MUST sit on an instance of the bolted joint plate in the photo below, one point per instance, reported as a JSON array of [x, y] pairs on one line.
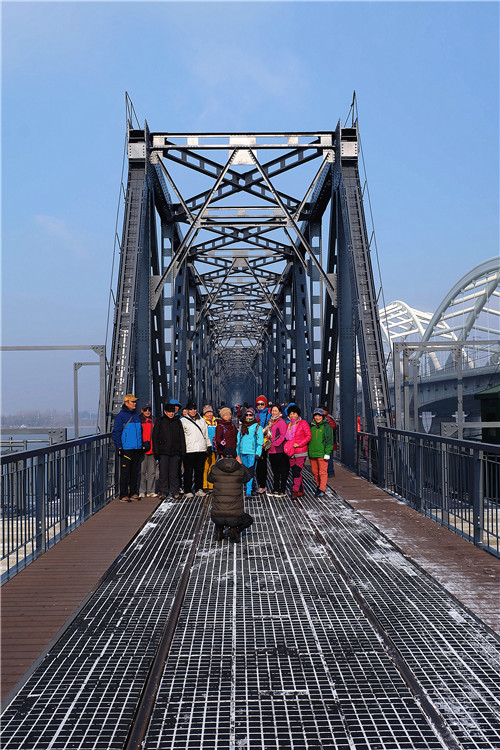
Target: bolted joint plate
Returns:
[[349, 149], [136, 150]]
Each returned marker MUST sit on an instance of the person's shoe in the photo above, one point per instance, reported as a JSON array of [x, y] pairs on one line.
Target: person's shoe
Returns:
[[162, 497], [300, 494], [233, 534], [175, 497], [142, 495], [200, 493], [319, 493], [188, 495], [125, 500], [294, 494], [261, 490], [181, 491], [135, 497], [153, 494], [219, 535]]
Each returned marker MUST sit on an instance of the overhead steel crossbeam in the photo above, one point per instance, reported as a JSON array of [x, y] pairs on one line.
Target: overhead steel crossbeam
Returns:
[[242, 297]]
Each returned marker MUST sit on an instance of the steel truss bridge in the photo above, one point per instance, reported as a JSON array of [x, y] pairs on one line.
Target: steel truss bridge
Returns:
[[244, 268]]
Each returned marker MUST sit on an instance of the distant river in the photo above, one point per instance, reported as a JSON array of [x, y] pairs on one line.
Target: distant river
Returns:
[[36, 440]]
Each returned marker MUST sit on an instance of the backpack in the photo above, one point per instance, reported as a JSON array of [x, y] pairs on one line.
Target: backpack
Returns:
[[333, 425]]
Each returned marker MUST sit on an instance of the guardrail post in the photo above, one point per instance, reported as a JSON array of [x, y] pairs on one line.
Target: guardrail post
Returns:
[[85, 472], [381, 458], [418, 474], [477, 496], [39, 489]]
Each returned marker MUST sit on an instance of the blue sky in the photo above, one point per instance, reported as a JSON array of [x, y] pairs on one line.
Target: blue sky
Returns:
[[426, 79]]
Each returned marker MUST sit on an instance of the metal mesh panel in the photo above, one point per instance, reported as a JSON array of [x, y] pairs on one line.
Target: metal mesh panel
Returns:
[[273, 647]]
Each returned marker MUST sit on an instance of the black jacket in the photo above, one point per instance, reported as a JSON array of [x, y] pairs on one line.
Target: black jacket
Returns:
[[168, 437], [228, 476]]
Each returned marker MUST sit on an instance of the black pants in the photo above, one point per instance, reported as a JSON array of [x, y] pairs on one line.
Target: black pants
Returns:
[[240, 523], [194, 463], [261, 470], [130, 464], [169, 475], [280, 466]]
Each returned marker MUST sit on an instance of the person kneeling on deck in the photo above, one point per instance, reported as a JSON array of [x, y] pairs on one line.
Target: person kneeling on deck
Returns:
[[228, 475]]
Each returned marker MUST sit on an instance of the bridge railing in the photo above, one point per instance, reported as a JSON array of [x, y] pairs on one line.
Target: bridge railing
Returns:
[[454, 482], [48, 492]]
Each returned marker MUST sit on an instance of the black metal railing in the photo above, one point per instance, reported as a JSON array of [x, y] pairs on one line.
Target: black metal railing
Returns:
[[48, 492], [454, 482]]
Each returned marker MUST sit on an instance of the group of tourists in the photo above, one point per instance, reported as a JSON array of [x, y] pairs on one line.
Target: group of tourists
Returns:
[[187, 453]]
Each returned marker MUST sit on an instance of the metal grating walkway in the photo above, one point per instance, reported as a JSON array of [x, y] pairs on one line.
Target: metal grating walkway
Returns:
[[314, 632]]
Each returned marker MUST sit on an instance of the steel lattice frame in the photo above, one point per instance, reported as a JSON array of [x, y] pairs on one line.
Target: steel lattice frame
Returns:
[[243, 298]]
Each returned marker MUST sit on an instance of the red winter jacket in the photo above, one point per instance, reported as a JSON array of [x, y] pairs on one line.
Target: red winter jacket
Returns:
[[147, 432]]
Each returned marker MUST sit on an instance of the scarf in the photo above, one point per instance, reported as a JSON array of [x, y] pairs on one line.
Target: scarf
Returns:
[[245, 425]]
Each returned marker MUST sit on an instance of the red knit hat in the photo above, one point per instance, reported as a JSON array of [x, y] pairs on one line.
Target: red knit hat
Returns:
[[261, 398]]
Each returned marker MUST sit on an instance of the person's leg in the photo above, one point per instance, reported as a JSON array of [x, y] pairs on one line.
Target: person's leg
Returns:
[[248, 460], [173, 475], [135, 468], [283, 471], [209, 462], [245, 522], [315, 469], [323, 473], [274, 461], [300, 464], [163, 480], [125, 464], [218, 532], [188, 472], [151, 474], [331, 466], [144, 476], [261, 470], [199, 464]]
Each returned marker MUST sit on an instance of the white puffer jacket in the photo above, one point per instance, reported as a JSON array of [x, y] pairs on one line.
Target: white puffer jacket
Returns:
[[196, 434]]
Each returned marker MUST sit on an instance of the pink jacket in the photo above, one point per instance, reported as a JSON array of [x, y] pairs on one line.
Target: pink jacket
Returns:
[[278, 431], [301, 435]]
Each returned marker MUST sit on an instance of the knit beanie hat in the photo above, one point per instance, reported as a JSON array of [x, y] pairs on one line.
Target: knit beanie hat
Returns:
[[225, 410], [208, 408], [261, 398]]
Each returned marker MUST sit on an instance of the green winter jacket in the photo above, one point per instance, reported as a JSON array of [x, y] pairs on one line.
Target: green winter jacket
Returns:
[[321, 442]]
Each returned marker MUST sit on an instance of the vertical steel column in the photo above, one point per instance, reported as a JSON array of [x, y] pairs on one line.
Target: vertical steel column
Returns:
[[330, 319], [142, 366], [347, 353], [316, 294], [122, 364], [302, 330], [370, 347]]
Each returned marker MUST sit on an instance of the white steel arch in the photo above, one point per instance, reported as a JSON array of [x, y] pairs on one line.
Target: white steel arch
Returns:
[[471, 312]]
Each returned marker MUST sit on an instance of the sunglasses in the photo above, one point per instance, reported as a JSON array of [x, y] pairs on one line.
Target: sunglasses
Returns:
[[260, 403]]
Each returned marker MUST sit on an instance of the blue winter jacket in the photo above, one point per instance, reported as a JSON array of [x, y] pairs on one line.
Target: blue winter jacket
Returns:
[[251, 443], [263, 416], [127, 429]]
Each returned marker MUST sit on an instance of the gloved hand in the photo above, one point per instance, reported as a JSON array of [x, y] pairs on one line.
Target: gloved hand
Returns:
[[326, 457]]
